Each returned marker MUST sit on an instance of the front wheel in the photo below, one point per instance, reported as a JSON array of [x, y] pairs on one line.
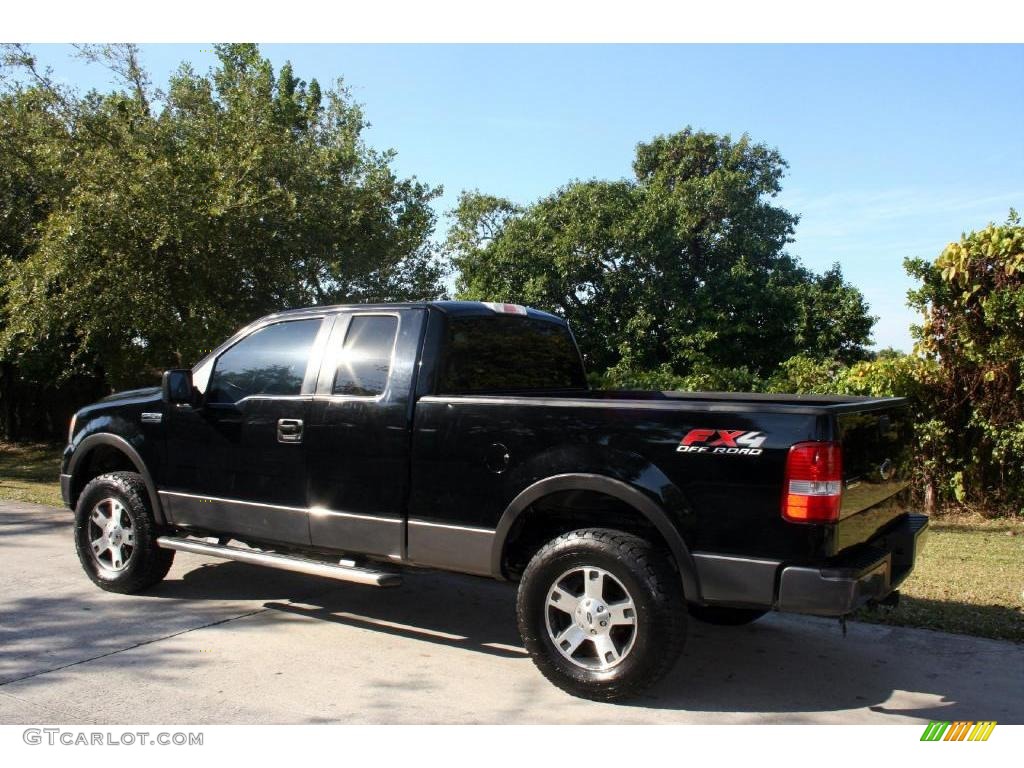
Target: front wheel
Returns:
[[601, 613], [116, 533]]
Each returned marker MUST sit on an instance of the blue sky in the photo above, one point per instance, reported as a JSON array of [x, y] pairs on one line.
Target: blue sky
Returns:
[[893, 150]]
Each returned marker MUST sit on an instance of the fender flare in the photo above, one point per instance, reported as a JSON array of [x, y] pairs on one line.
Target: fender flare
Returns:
[[117, 442], [618, 489]]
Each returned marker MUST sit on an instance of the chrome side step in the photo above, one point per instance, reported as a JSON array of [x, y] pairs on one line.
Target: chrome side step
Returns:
[[352, 573]]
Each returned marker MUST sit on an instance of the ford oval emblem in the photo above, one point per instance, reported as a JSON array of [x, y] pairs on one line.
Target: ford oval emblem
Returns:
[[885, 469]]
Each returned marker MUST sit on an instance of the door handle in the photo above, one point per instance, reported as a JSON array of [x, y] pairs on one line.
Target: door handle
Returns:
[[289, 430]]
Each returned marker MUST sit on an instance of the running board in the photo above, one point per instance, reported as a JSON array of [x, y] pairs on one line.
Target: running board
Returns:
[[351, 573]]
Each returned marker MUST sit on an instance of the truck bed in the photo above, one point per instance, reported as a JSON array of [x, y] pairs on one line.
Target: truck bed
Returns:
[[731, 502]]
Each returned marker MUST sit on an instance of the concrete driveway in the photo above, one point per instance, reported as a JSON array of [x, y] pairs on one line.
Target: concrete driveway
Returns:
[[221, 642]]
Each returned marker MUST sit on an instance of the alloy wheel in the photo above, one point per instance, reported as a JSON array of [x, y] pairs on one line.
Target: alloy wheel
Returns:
[[591, 618], [111, 535]]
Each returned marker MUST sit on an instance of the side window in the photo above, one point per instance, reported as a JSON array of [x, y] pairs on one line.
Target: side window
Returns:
[[365, 360], [270, 361]]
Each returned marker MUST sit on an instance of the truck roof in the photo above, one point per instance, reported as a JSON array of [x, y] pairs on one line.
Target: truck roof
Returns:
[[455, 308]]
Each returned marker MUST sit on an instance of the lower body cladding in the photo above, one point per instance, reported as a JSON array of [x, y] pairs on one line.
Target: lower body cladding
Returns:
[[868, 573], [419, 542], [451, 547], [65, 489]]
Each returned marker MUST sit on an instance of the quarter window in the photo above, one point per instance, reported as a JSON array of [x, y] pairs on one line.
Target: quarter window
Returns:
[[270, 361], [365, 360]]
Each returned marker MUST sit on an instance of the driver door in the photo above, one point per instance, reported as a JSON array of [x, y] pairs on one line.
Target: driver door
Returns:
[[237, 463]]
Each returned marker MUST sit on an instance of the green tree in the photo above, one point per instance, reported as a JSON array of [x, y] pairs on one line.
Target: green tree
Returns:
[[682, 269], [167, 219], [972, 303], [36, 147], [833, 319]]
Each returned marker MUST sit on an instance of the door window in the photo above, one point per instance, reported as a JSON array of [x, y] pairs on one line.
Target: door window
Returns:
[[365, 360], [270, 361]]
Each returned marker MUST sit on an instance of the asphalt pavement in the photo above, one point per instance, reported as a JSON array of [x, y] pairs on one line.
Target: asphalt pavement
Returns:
[[222, 642]]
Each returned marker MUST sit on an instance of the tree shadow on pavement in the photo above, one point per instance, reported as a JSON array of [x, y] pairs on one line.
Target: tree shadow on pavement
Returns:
[[802, 664]]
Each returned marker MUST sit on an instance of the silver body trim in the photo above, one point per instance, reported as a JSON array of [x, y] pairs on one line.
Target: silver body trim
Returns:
[[468, 528], [362, 534], [203, 497], [321, 512], [311, 510]]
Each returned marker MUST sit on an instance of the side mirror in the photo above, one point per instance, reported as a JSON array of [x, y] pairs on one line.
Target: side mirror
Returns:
[[177, 386]]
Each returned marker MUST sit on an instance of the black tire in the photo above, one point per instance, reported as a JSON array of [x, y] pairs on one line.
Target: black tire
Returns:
[[648, 580], [145, 563], [725, 616]]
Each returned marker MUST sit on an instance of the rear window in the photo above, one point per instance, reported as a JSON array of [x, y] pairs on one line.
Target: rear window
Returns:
[[508, 354]]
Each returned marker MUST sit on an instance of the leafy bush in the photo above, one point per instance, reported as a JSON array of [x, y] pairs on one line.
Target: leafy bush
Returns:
[[805, 375], [972, 302], [702, 379]]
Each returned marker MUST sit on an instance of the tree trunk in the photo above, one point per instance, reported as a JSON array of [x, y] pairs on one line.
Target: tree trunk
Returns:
[[929, 497], [10, 407]]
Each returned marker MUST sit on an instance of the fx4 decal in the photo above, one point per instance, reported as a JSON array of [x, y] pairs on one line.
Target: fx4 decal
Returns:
[[732, 442]]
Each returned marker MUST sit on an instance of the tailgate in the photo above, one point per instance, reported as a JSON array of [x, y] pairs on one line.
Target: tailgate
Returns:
[[876, 446]]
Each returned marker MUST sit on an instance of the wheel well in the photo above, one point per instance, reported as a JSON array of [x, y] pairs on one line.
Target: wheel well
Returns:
[[565, 511], [99, 461]]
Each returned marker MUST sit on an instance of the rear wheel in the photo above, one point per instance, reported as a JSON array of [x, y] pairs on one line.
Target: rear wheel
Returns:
[[725, 616], [601, 613], [115, 534]]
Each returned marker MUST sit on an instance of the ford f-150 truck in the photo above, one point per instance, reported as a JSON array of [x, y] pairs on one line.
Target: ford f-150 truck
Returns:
[[361, 442]]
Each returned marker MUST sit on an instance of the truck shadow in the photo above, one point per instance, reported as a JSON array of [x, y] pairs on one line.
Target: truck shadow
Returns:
[[780, 664], [444, 609]]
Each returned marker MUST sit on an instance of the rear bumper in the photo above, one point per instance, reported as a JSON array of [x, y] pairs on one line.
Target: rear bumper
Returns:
[[869, 573], [866, 573]]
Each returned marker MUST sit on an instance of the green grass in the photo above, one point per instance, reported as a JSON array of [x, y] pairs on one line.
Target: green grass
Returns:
[[969, 578], [30, 472]]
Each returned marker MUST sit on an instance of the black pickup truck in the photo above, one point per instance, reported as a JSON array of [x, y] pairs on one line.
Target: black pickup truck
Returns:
[[357, 442]]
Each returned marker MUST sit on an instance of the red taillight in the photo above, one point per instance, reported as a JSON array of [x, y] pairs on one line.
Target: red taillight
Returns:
[[813, 485]]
